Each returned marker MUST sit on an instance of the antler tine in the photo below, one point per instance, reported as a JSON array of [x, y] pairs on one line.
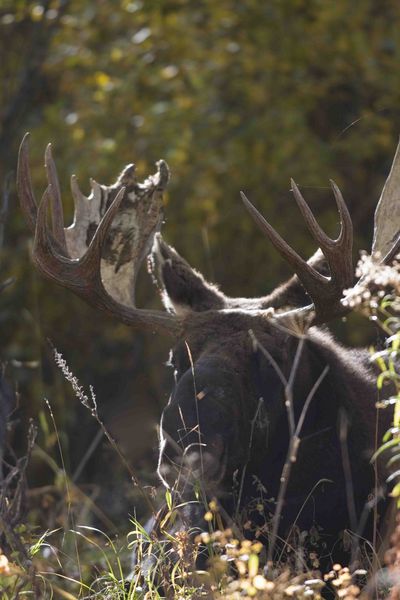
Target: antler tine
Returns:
[[316, 231], [326, 293], [340, 254], [300, 266], [337, 252], [50, 261], [92, 257], [24, 183], [79, 198], [25, 190], [52, 264], [57, 215], [345, 238]]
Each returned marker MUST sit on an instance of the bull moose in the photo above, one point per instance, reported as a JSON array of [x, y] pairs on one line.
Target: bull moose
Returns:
[[265, 401]]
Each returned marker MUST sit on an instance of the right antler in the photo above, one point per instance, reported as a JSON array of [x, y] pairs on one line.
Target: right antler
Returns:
[[98, 253], [325, 292]]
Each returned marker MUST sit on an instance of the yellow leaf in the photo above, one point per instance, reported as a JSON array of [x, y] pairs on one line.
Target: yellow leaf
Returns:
[[102, 79], [116, 54], [253, 565], [78, 134]]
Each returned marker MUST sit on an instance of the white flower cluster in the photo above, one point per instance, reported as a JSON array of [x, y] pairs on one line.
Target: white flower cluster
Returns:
[[89, 403], [375, 281]]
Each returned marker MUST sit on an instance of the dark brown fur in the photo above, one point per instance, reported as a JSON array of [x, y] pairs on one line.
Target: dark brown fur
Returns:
[[215, 409]]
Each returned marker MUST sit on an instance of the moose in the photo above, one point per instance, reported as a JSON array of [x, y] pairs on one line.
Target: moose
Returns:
[[266, 404]]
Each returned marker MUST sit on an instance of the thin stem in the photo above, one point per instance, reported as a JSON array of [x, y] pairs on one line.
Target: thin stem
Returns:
[[253, 424], [196, 401], [269, 357], [66, 482], [289, 387], [351, 507], [291, 456]]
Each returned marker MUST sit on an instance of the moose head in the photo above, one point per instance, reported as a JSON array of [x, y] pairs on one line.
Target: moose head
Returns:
[[260, 390]]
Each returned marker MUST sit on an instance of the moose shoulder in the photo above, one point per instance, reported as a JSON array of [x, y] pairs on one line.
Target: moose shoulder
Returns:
[[267, 409]]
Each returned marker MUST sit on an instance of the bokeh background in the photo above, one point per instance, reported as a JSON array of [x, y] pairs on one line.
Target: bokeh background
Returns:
[[234, 95]]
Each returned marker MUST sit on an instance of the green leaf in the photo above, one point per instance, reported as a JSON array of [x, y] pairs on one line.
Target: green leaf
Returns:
[[386, 446], [168, 499], [395, 493], [393, 460]]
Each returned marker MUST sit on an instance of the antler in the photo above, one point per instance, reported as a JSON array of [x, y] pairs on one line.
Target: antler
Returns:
[[386, 240], [99, 256], [325, 292]]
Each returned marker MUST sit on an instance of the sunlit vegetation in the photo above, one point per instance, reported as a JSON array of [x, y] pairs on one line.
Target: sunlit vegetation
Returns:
[[234, 96], [49, 551]]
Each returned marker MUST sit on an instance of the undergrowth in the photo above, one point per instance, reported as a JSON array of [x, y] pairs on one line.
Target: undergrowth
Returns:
[[66, 557]]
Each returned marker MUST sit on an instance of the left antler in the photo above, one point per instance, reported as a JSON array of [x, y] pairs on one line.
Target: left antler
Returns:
[[99, 256]]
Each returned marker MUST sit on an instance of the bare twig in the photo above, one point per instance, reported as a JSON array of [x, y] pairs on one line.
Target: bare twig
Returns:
[[291, 456], [295, 431], [196, 401], [92, 447], [12, 496], [351, 507]]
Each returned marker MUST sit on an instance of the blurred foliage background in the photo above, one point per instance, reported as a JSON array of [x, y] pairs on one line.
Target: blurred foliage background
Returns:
[[234, 95]]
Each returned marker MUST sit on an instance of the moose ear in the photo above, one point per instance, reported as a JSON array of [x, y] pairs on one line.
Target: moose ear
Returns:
[[183, 289]]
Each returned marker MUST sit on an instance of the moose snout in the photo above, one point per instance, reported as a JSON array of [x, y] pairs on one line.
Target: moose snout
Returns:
[[200, 459], [205, 461]]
